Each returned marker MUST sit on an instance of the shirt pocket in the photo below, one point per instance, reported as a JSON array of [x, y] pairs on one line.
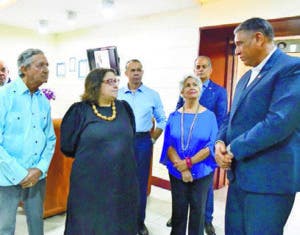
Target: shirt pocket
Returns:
[[14, 121], [42, 118]]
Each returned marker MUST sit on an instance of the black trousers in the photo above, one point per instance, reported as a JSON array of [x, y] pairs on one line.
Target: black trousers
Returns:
[[189, 196]]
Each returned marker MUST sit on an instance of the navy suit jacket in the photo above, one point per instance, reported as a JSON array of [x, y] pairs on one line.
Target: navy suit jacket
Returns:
[[213, 98], [263, 128]]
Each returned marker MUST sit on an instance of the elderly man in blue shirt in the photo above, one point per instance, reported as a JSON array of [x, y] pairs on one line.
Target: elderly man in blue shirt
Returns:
[[27, 142], [146, 105]]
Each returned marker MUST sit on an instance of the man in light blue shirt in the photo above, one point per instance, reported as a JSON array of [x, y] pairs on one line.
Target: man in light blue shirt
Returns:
[[146, 105], [27, 142]]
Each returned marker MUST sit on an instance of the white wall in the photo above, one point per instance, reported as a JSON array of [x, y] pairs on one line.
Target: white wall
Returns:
[[166, 44], [14, 40]]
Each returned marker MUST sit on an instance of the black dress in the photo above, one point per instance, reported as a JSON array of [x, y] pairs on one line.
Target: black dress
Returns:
[[103, 196]]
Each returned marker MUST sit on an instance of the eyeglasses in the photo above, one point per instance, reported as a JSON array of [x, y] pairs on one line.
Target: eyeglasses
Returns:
[[112, 81]]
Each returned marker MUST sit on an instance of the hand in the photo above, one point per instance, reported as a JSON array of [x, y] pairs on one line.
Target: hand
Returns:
[[32, 178], [222, 157], [181, 165], [186, 176]]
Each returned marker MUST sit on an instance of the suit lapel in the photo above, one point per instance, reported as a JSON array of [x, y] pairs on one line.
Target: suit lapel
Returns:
[[239, 91], [207, 94], [242, 90], [208, 90]]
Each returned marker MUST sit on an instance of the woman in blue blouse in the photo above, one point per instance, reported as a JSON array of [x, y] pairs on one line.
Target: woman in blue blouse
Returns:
[[188, 154]]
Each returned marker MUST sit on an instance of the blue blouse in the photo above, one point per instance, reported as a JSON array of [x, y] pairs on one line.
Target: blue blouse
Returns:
[[203, 135]]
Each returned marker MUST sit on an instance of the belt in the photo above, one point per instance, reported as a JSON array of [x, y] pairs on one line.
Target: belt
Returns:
[[142, 134]]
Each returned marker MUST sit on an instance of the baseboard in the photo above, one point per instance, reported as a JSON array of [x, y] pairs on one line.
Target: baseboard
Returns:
[[159, 182]]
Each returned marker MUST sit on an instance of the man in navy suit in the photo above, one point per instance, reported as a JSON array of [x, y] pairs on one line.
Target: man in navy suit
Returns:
[[214, 98], [260, 140]]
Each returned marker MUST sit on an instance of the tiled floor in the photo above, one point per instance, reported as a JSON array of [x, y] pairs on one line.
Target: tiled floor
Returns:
[[158, 212]]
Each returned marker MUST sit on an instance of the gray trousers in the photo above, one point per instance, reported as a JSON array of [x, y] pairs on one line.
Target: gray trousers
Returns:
[[33, 199]]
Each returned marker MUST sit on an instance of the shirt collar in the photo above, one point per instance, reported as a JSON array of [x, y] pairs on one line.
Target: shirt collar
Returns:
[[7, 80], [141, 88], [205, 84], [21, 88], [259, 67]]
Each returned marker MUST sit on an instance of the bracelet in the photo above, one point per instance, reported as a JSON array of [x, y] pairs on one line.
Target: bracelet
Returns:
[[188, 162]]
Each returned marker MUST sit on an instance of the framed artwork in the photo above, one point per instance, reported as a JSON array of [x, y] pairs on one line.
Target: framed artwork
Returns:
[[82, 68], [72, 64], [60, 69], [104, 57]]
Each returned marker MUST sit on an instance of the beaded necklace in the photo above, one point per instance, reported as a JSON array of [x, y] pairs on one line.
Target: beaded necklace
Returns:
[[185, 147], [99, 115]]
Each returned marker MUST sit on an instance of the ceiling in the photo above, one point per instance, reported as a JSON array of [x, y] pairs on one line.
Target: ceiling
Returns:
[[28, 13]]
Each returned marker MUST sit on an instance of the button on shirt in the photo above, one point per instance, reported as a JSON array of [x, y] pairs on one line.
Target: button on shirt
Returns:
[[27, 138], [145, 103]]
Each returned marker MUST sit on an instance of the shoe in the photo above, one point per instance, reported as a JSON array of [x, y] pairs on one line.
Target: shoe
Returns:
[[209, 229], [169, 223], [143, 230]]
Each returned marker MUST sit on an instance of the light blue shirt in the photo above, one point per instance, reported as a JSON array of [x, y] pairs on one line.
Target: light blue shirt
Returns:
[[146, 104], [27, 138], [205, 85]]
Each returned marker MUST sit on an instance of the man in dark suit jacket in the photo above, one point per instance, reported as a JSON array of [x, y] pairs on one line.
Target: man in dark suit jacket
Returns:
[[214, 98], [260, 140]]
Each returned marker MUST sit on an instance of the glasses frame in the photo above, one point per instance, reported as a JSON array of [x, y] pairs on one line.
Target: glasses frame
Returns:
[[111, 81]]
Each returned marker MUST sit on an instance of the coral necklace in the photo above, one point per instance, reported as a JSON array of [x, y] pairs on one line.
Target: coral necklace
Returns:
[[185, 147], [99, 115]]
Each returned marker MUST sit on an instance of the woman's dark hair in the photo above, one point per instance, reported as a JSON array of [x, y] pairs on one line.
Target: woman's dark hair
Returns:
[[93, 83]]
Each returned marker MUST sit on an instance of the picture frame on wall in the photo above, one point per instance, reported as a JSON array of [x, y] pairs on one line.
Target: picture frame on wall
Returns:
[[72, 64], [104, 57], [82, 68], [60, 69]]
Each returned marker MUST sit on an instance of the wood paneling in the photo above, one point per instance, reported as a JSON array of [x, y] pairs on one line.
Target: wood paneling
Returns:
[[57, 184]]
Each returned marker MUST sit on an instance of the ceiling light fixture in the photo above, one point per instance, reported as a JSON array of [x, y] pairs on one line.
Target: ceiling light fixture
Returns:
[[204, 2], [43, 26], [107, 8], [5, 3], [71, 17], [107, 3]]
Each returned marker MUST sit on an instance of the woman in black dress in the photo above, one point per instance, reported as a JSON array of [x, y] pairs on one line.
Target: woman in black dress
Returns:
[[98, 132]]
